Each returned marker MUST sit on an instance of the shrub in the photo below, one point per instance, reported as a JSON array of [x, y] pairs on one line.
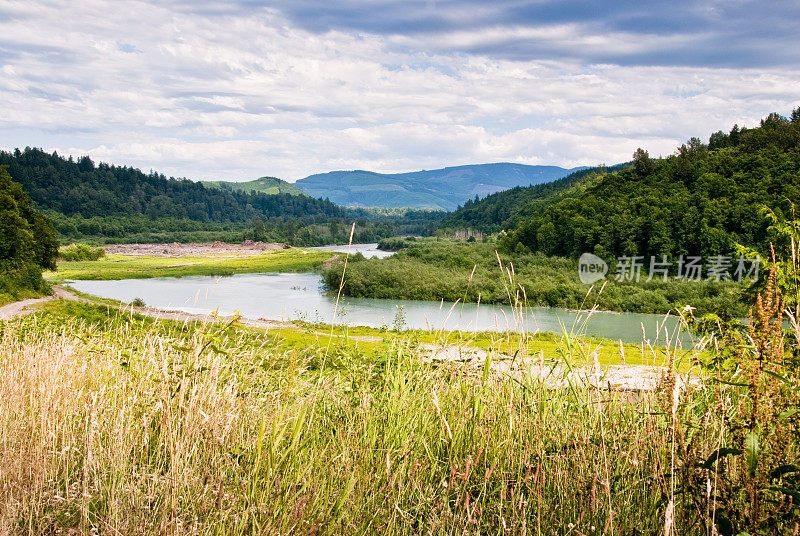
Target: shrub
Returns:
[[80, 252], [435, 270]]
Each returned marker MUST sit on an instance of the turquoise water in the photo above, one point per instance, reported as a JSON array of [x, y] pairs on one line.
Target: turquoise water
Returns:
[[293, 296]]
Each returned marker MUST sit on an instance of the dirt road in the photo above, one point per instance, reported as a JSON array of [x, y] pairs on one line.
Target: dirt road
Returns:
[[23, 307]]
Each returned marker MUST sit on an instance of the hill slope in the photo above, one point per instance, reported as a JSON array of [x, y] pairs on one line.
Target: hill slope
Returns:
[[81, 188], [503, 210], [441, 189], [702, 201], [263, 185]]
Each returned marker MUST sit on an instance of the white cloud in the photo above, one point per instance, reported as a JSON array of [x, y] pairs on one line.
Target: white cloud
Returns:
[[237, 96]]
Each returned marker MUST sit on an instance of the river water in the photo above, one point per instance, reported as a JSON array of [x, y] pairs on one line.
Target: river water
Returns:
[[301, 296], [368, 250]]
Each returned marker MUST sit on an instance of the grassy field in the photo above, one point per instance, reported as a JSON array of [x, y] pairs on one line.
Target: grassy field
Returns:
[[116, 421], [137, 267], [113, 422]]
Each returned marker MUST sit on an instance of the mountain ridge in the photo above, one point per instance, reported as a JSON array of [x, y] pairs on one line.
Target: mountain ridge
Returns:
[[444, 188]]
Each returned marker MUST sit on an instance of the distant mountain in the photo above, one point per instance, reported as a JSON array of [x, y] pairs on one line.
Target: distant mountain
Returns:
[[439, 189], [264, 185]]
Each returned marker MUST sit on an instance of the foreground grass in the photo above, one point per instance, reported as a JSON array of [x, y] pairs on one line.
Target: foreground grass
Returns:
[[121, 424], [139, 267]]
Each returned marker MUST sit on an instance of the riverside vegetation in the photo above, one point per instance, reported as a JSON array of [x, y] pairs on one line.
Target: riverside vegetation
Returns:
[[117, 266], [468, 271]]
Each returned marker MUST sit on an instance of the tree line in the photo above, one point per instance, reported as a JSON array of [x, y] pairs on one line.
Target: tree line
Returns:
[[28, 241], [107, 203], [703, 200], [82, 188]]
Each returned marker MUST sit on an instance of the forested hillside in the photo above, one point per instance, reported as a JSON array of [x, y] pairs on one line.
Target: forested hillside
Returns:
[[107, 203], [703, 200], [82, 188], [504, 210], [28, 243], [264, 185]]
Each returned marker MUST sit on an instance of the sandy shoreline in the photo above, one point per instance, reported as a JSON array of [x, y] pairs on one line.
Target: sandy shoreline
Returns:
[[175, 249]]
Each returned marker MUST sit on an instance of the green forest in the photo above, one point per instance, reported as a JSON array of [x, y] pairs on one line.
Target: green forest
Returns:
[[82, 188], [703, 200], [504, 210], [28, 243], [102, 203]]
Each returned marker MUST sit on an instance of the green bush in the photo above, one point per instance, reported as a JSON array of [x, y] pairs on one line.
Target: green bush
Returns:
[[396, 243], [436, 270], [80, 252]]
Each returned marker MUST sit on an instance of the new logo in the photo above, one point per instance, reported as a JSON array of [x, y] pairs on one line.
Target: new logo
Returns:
[[591, 268]]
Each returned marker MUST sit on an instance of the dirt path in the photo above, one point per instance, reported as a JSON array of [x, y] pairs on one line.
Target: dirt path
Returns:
[[23, 307], [612, 378], [26, 307]]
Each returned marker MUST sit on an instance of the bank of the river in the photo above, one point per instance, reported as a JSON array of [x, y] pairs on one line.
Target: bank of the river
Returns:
[[511, 352], [223, 262]]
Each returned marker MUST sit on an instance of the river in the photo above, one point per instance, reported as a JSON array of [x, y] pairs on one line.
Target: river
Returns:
[[301, 296]]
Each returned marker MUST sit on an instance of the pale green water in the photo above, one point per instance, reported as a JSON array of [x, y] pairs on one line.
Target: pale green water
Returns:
[[292, 296]]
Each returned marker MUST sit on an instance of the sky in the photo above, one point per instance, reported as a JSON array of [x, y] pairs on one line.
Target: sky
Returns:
[[235, 90]]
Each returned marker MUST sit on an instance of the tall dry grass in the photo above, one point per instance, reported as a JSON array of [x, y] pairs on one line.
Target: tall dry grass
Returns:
[[134, 430]]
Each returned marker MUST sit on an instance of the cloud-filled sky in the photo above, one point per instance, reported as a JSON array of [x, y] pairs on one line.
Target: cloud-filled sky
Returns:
[[212, 89]]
